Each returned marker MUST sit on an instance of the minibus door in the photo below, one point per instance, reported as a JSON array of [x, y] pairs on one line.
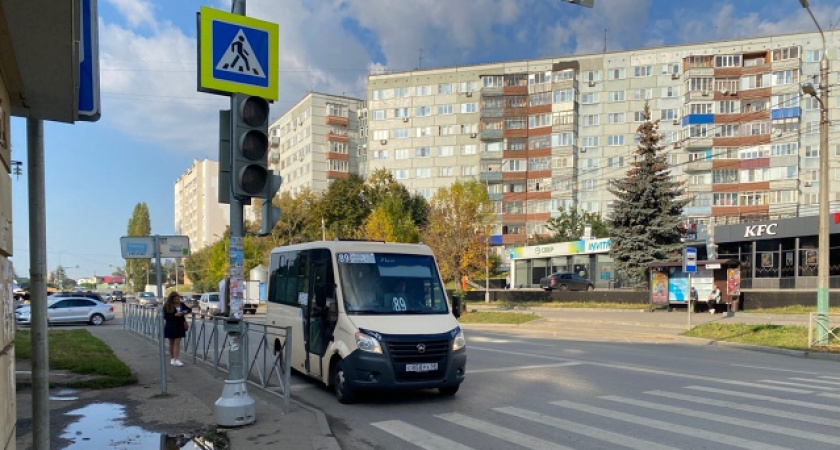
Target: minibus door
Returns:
[[320, 319]]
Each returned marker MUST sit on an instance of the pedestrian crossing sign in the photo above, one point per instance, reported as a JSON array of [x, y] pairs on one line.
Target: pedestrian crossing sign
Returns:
[[237, 54]]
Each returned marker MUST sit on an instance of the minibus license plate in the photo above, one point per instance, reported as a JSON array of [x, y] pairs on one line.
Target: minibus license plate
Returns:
[[425, 367]]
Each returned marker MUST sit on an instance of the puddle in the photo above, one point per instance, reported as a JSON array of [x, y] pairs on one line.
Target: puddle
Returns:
[[64, 395], [100, 426]]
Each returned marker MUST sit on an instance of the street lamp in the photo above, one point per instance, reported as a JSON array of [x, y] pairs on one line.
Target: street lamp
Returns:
[[823, 260]]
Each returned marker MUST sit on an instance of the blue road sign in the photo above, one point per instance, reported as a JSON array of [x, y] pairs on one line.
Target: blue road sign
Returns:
[[690, 260], [237, 54], [89, 106]]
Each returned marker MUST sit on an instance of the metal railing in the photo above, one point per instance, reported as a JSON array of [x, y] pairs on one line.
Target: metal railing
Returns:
[[266, 348], [831, 331]]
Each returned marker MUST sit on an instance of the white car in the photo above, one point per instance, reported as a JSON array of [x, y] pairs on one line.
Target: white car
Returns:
[[210, 303], [146, 298], [69, 309]]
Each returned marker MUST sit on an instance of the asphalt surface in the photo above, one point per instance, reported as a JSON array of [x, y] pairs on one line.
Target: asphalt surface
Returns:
[[192, 390]]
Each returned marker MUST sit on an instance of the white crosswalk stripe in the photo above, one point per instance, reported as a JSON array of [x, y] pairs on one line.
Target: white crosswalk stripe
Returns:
[[811, 380], [503, 433], [419, 436], [809, 418], [826, 377], [809, 386], [592, 432], [767, 398], [719, 438], [755, 385], [729, 420]]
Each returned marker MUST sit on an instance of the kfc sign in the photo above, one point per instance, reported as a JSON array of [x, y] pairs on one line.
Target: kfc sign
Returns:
[[760, 230]]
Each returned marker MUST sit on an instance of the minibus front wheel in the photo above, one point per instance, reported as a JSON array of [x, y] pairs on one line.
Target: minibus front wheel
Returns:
[[449, 390], [341, 387]]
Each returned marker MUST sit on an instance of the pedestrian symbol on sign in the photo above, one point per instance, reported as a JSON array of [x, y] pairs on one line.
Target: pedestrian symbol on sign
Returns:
[[239, 58]]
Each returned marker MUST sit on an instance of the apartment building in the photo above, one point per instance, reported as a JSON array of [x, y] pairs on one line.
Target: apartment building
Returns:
[[198, 213], [547, 134], [320, 139]]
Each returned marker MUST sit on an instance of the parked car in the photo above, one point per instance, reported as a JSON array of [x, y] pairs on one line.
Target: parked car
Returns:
[[210, 303], [88, 294], [118, 296], [566, 281], [190, 299], [69, 309], [147, 298]]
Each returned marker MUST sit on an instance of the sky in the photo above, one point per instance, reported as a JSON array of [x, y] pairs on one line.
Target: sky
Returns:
[[155, 123]]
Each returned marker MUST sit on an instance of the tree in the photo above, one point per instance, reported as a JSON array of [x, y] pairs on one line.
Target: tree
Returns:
[[137, 270], [300, 219], [345, 207], [391, 222], [460, 221], [569, 225], [382, 185], [647, 211]]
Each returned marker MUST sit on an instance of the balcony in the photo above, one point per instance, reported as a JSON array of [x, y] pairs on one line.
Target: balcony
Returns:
[[492, 112], [698, 142], [699, 166], [693, 72], [491, 135], [336, 137], [338, 120]]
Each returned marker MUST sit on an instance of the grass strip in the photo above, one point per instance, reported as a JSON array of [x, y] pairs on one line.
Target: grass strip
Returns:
[[779, 336], [80, 352], [497, 317]]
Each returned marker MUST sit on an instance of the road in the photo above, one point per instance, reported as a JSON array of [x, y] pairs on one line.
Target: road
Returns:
[[554, 387], [540, 392]]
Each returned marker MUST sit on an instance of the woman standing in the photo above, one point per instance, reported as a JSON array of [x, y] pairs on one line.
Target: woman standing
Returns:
[[175, 324]]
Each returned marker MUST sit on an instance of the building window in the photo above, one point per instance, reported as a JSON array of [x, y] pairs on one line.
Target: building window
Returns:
[[446, 88], [670, 91], [539, 163], [590, 120], [378, 114], [616, 96], [402, 153], [446, 172], [380, 154], [469, 149], [565, 95], [643, 94], [424, 90], [467, 108], [425, 172], [423, 152], [423, 111], [400, 174], [638, 116], [614, 118], [446, 150], [616, 74], [728, 61], [642, 71], [445, 110], [813, 55], [589, 98], [701, 108], [401, 133], [615, 161], [400, 112], [786, 53], [615, 139], [669, 114]]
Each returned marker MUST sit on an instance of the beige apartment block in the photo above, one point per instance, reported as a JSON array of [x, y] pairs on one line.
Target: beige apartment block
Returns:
[[318, 140], [548, 134], [198, 213]]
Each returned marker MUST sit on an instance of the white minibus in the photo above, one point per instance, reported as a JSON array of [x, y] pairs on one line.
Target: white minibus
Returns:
[[367, 316]]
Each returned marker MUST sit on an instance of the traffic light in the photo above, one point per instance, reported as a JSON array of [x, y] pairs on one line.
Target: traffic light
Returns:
[[249, 162], [270, 213]]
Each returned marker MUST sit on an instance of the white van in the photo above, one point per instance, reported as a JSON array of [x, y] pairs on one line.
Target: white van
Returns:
[[367, 316]]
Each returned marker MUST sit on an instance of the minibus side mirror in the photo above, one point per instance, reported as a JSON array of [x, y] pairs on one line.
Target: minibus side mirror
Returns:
[[456, 306]]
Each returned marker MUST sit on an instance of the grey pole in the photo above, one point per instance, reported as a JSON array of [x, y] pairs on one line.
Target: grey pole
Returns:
[[38, 285], [235, 407], [161, 344], [823, 245]]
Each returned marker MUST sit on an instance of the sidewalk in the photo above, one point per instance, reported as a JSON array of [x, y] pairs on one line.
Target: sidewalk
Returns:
[[192, 391]]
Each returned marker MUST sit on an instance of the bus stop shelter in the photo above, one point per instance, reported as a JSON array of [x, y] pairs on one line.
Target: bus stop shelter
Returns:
[[670, 286]]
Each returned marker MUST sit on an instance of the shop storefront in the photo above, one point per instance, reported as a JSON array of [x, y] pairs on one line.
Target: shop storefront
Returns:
[[587, 257], [779, 254]]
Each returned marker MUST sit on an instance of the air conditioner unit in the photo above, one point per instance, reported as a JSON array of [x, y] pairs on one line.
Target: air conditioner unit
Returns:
[[675, 76], [405, 119], [807, 184], [733, 93], [676, 121], [591, 84], [583, 149], [472, 135], [705, 93], [677, 145], [468, 94], [725, 92], [383, 141]]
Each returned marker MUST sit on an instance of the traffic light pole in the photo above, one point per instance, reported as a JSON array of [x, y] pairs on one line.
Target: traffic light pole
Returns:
[[235, 407]]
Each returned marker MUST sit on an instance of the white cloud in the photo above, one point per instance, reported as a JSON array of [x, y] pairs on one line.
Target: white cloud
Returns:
[[136, 12]]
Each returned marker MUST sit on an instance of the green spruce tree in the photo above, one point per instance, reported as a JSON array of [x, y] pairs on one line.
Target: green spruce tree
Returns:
[[648, 208]]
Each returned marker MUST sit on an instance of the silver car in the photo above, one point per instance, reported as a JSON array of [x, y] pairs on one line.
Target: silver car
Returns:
[[210, 303], [146, 298], [69, 309]]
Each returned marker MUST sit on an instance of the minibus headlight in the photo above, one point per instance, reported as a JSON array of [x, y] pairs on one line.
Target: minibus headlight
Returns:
[[367, 343], [459, 342]]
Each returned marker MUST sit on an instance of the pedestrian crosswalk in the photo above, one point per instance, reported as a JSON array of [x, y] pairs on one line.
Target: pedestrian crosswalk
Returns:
[[786, 413]]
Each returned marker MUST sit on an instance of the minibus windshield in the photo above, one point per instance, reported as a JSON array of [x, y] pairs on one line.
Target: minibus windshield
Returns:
[[389, 283]]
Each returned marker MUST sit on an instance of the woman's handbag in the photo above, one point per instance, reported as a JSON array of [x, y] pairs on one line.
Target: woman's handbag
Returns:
[[186, 326]]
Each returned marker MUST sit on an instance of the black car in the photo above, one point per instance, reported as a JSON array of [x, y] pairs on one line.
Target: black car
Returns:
[[566, 281], [118, 296]]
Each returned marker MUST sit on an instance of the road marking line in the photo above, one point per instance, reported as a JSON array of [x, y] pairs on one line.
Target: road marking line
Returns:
[[788, 383], [748, 408], [763, 386], [590, 432], [811, 380], [829, 378], [418, 436], [729, 420], [717, 437], [775, 369], [532, 355], [826, 394], [512, 369], [503, 433], [768, 398]]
